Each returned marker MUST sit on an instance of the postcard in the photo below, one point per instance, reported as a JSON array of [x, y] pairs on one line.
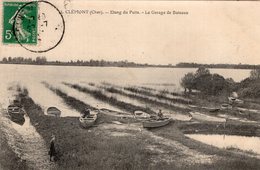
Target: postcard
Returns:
[[129, 84]]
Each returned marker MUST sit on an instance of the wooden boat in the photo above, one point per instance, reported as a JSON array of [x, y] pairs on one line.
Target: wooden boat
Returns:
[[138, 114], [193, 106], [16, 114], [211, 109], [154, 123], [226, 106], [206, 118], [53, 111], [13, 109], [235, 100], [89, 120]]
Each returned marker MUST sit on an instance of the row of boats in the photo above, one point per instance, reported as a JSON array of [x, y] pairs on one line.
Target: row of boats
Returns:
[[149, 121]]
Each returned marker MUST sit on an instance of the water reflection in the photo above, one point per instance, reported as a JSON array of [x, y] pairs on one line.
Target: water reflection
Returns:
[[226, 141]]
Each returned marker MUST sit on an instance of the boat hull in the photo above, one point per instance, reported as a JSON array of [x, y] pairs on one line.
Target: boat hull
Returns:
[[88, 121], [53, 111], [156, 123], [226, 107], [205, 118], [16, 114], [141, 115]]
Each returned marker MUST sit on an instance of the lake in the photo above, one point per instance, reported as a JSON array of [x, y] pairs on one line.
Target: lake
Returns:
[[229, 141], [133, 76], [31, 77]]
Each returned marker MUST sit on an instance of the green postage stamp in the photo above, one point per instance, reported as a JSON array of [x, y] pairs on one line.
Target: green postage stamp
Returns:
[[20, 22]]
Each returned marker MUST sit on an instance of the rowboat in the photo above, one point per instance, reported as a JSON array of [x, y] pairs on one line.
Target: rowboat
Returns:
[[226, 106], [88, 121], [16, 114], [235, 100], [211, 109], [13, 109], [154, 123], [206, 118], [138, 114], [53, 111]]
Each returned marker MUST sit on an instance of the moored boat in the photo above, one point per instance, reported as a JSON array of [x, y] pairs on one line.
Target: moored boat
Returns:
[[89, 120], [211, 109], [53, 111], [16, 114], [206, 118], [235, 100], [226, 106], [154, 123], [138, 114], [13, 109]]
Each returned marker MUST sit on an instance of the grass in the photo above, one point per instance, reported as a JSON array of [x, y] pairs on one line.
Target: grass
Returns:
[[206, 100], [227, 160], [160, 95], [95, 149], [8, 158], [97, 94], [215, 128], [82, 149], [148, 92], [69, 100], [145, 99]]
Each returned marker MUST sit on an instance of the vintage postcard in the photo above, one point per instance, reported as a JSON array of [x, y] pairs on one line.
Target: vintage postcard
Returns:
[[129, 85]]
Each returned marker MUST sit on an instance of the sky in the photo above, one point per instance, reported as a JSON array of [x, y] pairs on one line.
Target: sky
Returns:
[[212, 32]]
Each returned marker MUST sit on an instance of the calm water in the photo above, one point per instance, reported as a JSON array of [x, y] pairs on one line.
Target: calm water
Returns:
[[226, 141], [32, 76], [136, 76]]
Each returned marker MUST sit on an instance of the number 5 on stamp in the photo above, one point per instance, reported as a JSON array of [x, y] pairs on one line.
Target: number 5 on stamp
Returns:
[[22, 19]]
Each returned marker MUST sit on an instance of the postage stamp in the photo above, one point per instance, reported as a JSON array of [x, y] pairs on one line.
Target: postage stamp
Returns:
[[37, 26], [20, 23]]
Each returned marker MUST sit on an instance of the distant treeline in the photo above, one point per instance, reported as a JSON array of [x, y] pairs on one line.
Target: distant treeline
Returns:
[[232, 66], [125, 63], [100, 63]]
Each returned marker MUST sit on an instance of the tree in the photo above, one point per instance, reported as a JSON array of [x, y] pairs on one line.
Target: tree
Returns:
[[4, 60], [187, 82], [202, 71], [41, 60], [255, 74]]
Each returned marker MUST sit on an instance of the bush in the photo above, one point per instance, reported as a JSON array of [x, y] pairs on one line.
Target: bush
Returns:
[[255, 74], [249, 88], [207, 83], [187, 82]]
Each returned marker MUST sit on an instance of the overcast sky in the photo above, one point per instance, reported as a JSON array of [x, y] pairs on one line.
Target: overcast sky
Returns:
[[212, 32]]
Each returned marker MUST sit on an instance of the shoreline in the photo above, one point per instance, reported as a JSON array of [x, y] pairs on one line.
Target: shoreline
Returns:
[[67, 128], [50, 64], [8, 158]]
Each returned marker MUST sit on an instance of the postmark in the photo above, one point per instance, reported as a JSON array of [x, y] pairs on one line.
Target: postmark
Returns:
[[39, 21]]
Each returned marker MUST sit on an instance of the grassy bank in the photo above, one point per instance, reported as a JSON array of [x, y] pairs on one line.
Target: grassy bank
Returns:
[[96, 149], [97, 94], [83, 149], [69, 100], [160, 95], [216, 101], [149, 89], [8, 158], [228, 159]]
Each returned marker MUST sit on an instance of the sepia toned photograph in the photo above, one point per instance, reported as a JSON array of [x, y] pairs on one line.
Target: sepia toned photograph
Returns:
[[129, 85]]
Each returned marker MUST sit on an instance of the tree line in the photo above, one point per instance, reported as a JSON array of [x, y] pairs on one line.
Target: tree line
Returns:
[[231, 66], [41, 60], [101, 63]]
